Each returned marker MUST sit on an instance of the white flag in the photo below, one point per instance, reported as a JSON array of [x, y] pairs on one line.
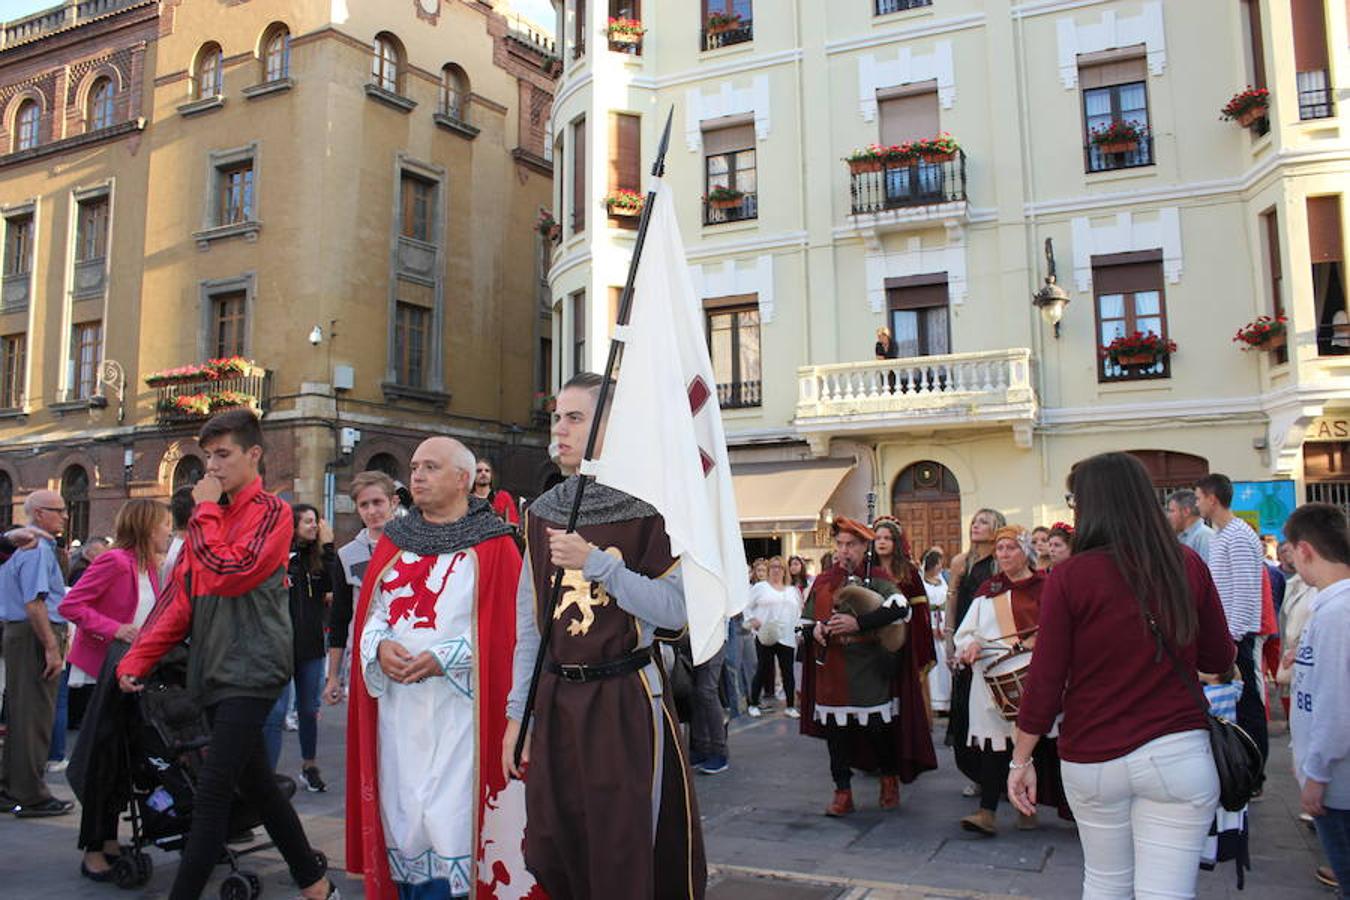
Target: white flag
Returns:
[[665, 442]]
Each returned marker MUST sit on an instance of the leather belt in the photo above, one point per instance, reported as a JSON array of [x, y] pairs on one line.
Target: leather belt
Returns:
[[578, 673]]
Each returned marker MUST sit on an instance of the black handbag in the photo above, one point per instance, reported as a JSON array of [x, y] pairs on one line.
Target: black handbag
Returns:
[[1238, 760]]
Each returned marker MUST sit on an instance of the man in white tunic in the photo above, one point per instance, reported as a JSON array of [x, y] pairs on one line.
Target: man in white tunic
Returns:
[[435, 634]]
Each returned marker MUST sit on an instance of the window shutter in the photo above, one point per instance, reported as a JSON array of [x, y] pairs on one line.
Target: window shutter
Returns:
[[1324, 229], [728, 139], [1127, 277], [579, 175], [918, 292], [908, 117], [625, 152], [1310, 35], [1111, 72]]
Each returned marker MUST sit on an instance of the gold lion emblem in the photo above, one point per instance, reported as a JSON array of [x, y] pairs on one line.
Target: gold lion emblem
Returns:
[[585, 596]]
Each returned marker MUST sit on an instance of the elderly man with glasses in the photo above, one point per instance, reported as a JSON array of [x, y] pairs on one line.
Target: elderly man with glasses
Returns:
[[31, 587]]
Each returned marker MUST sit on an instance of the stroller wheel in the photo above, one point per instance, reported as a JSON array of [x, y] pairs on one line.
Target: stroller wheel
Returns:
[[254, 885], [236, 887], [145, 867], [124, 873]]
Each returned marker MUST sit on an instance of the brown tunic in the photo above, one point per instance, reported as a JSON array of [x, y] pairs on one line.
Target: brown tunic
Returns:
[[611, 811]]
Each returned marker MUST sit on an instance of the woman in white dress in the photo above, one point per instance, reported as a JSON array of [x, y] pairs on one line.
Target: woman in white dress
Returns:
[[935, 585], [772, 613]]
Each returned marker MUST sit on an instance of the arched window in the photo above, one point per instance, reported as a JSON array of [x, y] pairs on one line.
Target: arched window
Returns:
[[385, 462], [208, 77], [454, 93], [188, 472], [386, 67], [100, 110], [1171, 471], [276, 55], [6, 501], [26, 122], [75, 491]]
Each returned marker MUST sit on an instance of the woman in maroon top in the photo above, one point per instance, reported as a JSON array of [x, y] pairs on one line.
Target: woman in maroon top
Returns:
[[1137, 767]]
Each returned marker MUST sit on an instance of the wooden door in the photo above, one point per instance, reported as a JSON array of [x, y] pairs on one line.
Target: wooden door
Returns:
[[926, 501]]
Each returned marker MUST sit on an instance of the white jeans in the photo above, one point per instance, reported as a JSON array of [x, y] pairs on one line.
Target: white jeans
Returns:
[[1143, 818]]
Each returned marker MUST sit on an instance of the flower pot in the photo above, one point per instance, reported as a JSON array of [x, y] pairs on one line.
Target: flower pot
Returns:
[[1118, 146], [724, 28], [728, 203], [1251, 115], [1136, 359], [623, 212], [861, 166], [1275, 341], [625, 37], [935, 158]]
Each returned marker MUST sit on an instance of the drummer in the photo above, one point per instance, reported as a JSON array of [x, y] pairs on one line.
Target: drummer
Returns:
[[998, 630]]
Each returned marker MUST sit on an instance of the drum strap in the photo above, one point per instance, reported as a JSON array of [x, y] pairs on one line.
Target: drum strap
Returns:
[[1004, 614]]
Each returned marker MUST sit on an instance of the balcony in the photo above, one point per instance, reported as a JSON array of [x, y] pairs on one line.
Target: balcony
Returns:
[[739, 395], [886, 7], [899, 185], [990, 389], [199, 393], [747, 208], [1097, 161], [716, 37]]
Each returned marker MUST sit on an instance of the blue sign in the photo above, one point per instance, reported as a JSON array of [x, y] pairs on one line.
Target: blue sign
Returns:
[[1265, 504]]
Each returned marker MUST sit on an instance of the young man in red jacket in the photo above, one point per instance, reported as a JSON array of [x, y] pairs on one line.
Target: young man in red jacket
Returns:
[[229, 593]]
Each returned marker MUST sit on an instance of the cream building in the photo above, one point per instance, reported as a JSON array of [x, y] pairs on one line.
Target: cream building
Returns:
[[344, 195], [1194, 228]]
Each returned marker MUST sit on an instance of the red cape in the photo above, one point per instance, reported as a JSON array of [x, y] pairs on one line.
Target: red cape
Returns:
[[495, 616], [910, 729]]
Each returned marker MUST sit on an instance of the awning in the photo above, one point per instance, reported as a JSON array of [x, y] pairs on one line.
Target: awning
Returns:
[[778, 497]]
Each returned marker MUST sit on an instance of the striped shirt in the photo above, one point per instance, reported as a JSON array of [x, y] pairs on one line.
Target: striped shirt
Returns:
[[1237, 562], [1223, 699]]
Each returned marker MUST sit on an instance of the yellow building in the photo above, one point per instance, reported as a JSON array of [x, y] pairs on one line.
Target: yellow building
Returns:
[[342, 195], [1092, 123]]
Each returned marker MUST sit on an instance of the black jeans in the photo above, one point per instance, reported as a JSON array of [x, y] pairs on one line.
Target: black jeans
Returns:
[[1251, 709], [993, 776], [840, 737], [764, 673], [236, 758]]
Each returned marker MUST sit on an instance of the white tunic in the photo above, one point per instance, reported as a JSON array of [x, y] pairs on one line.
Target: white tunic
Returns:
[[986, 722], [939, 677], [426, 731]]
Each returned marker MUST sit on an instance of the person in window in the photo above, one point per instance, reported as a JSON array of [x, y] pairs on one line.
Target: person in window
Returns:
[[885, 348]]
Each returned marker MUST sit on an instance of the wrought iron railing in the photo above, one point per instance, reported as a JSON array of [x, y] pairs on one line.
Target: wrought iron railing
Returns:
[[897, 185], [748, 208], [1315, 101], [743, 31], [739, 394], [889, 6], [1099, 160], [193, 401], [1333, 340]]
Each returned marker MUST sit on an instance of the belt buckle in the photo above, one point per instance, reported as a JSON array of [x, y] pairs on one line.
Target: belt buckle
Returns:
[[572, 672]]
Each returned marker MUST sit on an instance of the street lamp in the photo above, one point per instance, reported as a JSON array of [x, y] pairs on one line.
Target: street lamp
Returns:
[[1051, 299]]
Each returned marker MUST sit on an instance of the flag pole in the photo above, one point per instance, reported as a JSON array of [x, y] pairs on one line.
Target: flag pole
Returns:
[[612, 363]]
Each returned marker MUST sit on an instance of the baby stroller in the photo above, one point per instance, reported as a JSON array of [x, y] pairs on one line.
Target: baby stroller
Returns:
[[165, 738]]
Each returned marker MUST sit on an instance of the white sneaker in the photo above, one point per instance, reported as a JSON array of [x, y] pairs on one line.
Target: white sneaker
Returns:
[[56, 766], [970, 790], [292, 722], [792, 713], [754, 712]]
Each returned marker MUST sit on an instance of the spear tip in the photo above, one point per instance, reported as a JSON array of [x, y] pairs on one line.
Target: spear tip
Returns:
[[659, 167]]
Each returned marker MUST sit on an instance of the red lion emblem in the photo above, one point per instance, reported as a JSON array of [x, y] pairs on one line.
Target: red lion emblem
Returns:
[[420, 605]]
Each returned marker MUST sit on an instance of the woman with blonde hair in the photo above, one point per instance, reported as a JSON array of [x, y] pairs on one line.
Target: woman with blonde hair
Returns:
[[110, 603], [772, 613]]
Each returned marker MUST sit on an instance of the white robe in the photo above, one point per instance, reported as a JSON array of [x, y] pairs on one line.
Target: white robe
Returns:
[[426, 730]]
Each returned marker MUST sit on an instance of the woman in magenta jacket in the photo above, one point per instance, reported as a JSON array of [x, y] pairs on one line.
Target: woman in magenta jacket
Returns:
[[110, 603]]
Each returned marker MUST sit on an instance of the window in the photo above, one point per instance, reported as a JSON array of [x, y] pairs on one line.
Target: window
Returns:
[[454, 93], [26, 124], [578, 332], [1129, 299], [75, 491], [1311, 60], [1328, 275], [1254, 41], [100, 111], [187, 472], [415, 204], [579, 175], [545, 365], [386, 463], [18, 245], [1170, 472], [579, 25], [906, 114], [1115, 92], [228, 320], [386, 68], [235, 204], [91, 229], [917, 315], [6, 502], [729, 175], [209, 74], [412, 324], [1270, 228], [276, 57], [733, 344], [13, 354], [86, 351], [884, 7], [727, 22], [625, 160], [626, 9]]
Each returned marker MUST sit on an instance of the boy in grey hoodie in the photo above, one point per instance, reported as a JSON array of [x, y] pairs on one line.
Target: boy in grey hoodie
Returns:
[[1320, 719]]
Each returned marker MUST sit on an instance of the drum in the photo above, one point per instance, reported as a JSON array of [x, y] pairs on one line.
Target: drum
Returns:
[[1007, 679]]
